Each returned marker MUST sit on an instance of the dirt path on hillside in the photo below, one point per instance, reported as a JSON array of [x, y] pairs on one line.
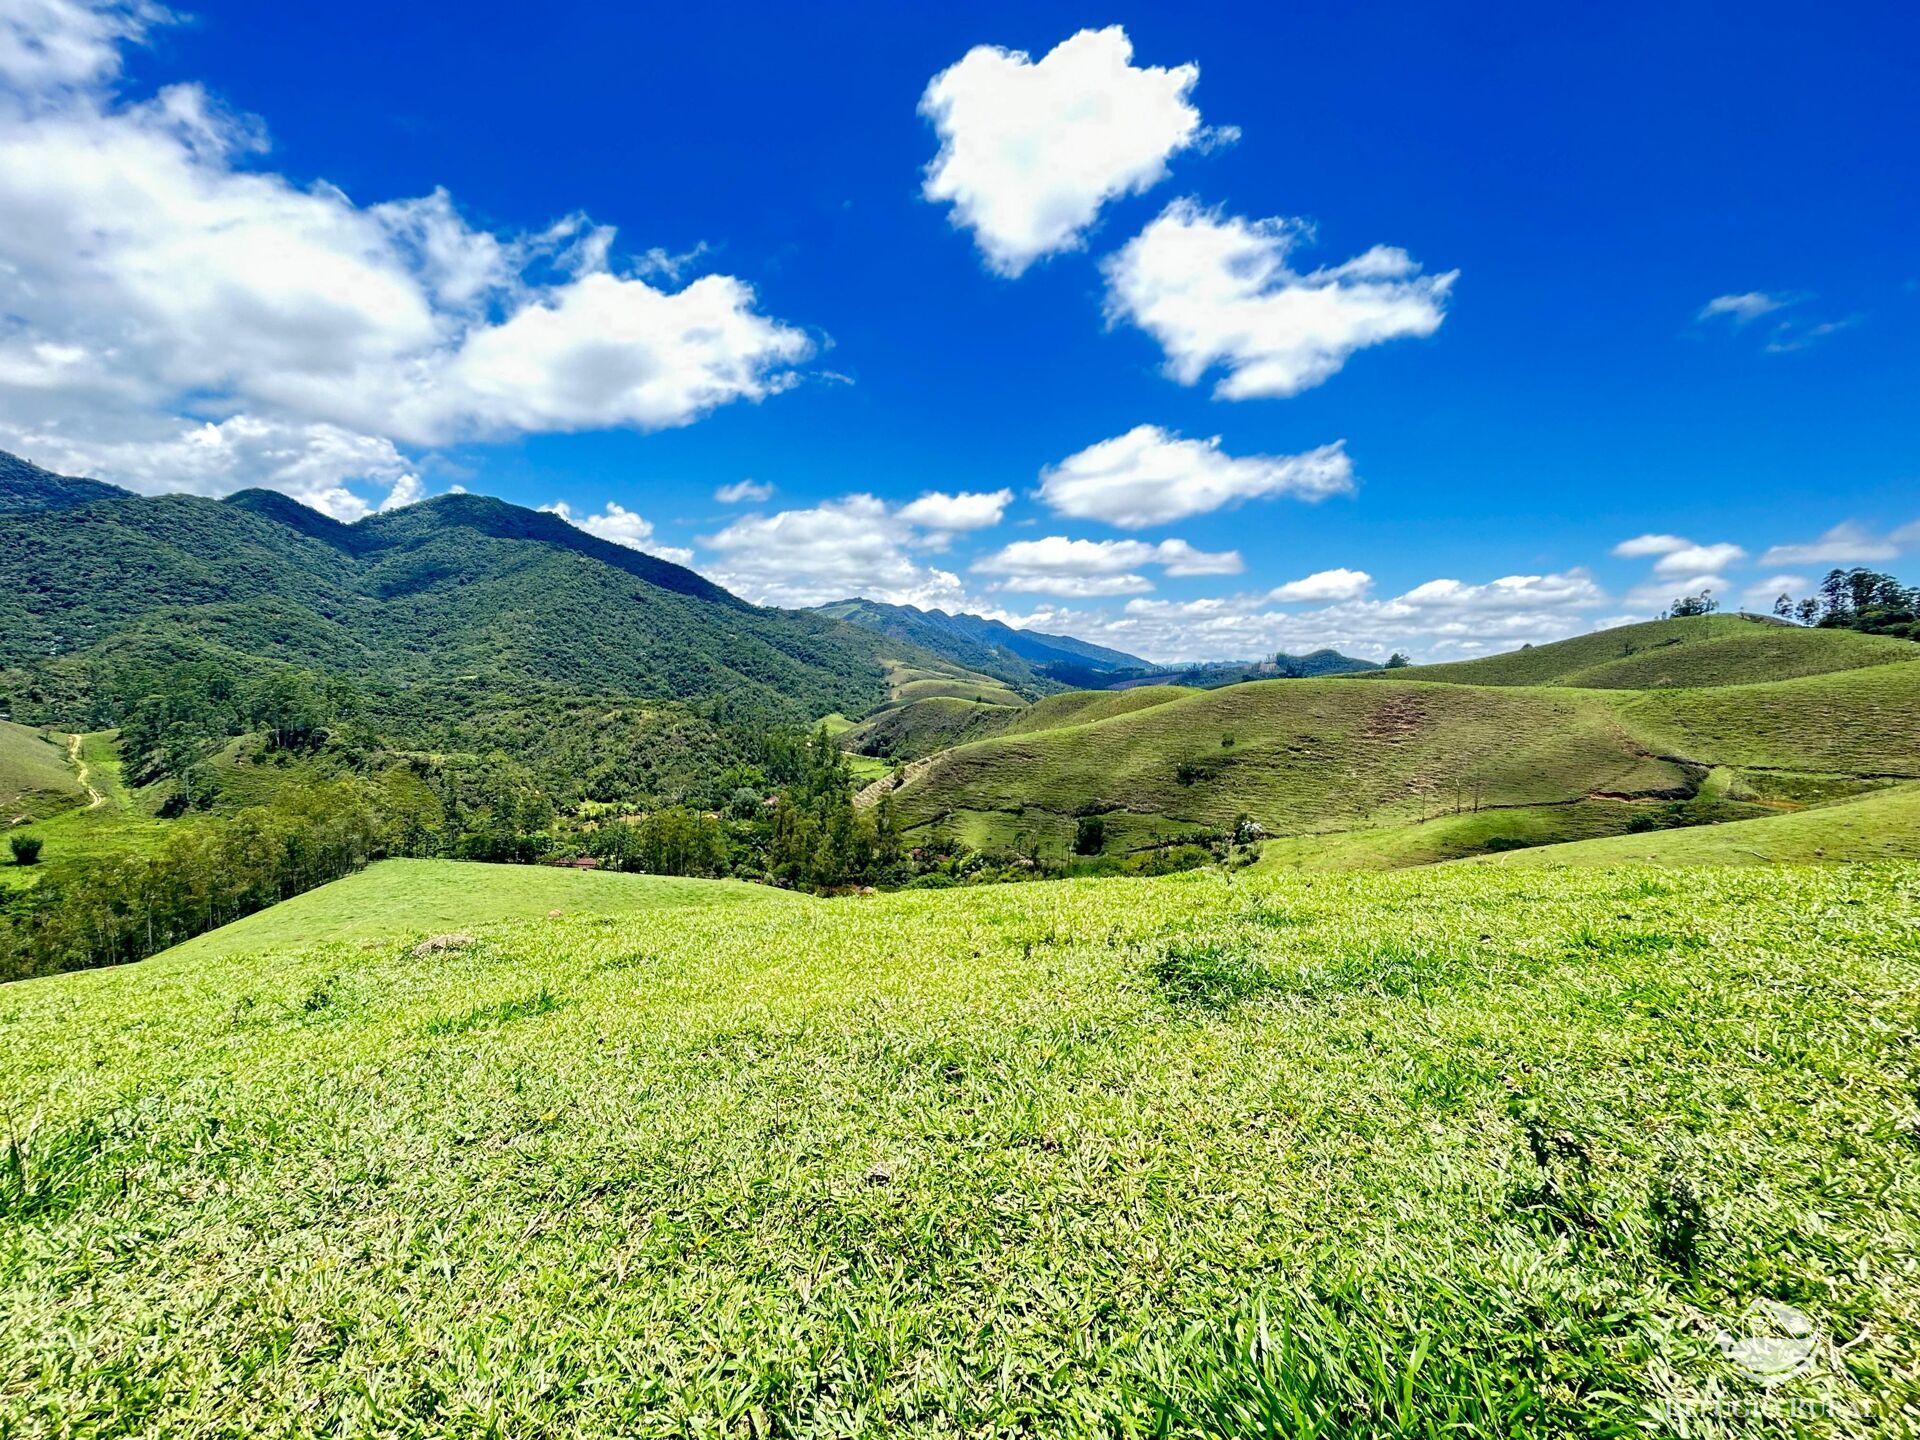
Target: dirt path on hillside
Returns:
[[94, 798]]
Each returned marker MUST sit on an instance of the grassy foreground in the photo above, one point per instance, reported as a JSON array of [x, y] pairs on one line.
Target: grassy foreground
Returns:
[[1471, 1151]]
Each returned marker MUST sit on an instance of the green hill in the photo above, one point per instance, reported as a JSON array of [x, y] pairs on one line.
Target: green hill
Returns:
[[1695, 651], [1881, 825], [1471, 1151], [1862, 722], [36, 779], [1298, 756], [1469, 768], [459, 587]]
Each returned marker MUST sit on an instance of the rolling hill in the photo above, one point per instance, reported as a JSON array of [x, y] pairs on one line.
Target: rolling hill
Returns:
[[36, 779], [1447, 767], [1684, 653], [457, 588]]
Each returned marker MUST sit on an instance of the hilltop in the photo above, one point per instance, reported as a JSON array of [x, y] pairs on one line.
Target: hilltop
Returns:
[[1683, 653]]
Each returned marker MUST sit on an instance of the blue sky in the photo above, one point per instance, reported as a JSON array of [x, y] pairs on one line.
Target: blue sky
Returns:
[[590, 259]]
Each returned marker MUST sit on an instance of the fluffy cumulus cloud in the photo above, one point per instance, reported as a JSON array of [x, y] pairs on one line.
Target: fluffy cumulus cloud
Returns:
[[837, 550], [743, 492], [156, 276], [968, 510], [1680, 567], [1059, 566], [1219, 291], [1150, 476], [620, 526], [1341, 584], [1030, 151]]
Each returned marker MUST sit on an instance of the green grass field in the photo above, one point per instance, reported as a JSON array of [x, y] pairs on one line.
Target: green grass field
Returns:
[[1688, 653], [1884, 825], [87, 833], [425, 897], [36, 779], [1303, 757], [1460, 1151], [1379, 772]]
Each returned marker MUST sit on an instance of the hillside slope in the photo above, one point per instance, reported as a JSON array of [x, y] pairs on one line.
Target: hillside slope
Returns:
[[36, 779], [1701, 650], [1017, 1160], [457, 587], [1882, 825], [1298, 756], [1504, 764]]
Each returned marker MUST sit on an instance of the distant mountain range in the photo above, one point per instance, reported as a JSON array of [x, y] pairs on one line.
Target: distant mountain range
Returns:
[[1020, 657], [458, 591], [1024, 657]]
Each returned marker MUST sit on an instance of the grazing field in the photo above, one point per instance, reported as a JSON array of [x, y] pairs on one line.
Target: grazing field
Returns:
[[1303, 757], [409, 897], [1407, 770], [1466, 1151], [1857, 722], [89, 832], [1661, 654], [36, 779], [1882, 825]]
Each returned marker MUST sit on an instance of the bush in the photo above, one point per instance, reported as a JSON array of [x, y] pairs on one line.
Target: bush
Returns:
[[1089, 835], [25, 848]]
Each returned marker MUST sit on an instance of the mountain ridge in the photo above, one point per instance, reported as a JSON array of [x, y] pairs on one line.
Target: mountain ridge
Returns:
[[95, 579]]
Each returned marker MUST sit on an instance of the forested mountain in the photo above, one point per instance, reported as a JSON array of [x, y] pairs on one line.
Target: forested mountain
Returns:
[[990, 646], [95, 580]]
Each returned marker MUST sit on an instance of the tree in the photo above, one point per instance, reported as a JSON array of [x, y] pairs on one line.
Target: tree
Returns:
[[1089, 835], [1398, 660], [1783, 606], [1690, 605], [25, 848], [1807, 611]]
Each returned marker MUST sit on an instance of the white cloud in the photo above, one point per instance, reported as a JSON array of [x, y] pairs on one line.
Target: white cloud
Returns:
[[1323, 585], [1029, 152], [1442, 619], [1845, 544], [621, 526], [743, 492], [154, 278], [1652, 596], [48, 44], [1218, 291], [407, 490], [1644, 545], [1057, 565], [1150, 476], [968, 510], [837, 550], [1694, 559], [1744, 308]]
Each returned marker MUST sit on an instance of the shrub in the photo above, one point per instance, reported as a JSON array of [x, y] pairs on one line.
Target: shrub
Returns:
[[1207, 973], [25, 848], [1089, 835]]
